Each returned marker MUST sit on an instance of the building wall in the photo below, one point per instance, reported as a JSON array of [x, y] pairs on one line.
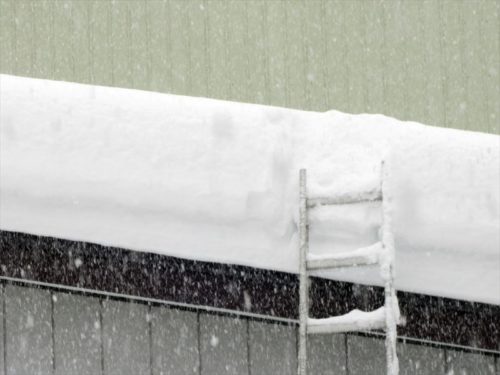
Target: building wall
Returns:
[[433, 61], [52, 332]]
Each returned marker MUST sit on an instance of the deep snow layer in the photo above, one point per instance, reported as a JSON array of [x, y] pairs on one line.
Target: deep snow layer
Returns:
[[214, 180]]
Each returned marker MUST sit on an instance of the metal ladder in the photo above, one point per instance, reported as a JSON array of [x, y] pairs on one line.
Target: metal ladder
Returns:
[[382, 253]]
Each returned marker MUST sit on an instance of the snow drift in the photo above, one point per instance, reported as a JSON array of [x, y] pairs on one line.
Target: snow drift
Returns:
[[218, 181]]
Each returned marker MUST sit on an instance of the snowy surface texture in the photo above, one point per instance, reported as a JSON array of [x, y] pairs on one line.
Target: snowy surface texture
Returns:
[[218, 181], [355, 320]]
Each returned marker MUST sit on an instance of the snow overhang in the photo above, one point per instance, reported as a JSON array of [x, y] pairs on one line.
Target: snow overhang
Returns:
[[217, 181]]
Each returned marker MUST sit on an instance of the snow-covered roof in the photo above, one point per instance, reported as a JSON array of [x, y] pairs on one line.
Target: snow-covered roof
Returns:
[[213, 180]]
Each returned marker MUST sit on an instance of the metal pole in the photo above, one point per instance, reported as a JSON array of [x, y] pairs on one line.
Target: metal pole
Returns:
[[391, 333], [304, 281], [390, 294]]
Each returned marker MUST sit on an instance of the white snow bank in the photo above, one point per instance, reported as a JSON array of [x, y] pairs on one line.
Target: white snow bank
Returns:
[[355, 320], [368, 255], [213, 180]]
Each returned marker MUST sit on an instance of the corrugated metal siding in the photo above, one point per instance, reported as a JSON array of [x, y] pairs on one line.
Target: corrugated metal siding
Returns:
[[431, 61], [48, 332]]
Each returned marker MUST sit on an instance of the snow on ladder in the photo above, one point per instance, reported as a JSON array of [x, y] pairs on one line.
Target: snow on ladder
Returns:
[[381, 253]]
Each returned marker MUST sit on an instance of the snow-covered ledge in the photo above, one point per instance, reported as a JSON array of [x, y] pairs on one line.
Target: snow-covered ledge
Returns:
[[212, 180]]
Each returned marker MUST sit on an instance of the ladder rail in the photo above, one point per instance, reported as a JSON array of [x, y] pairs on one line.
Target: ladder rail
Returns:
[[390, 331], [391, 304]]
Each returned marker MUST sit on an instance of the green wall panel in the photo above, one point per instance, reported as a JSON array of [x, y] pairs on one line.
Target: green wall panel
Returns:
[[101, 66], [373, 16], [336, 73], [433, 61], [277, 47], [489, 22], [256, 51]]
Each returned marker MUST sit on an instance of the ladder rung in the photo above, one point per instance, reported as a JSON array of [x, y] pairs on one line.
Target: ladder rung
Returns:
[[369, 196], [360, 257], [355, 320]]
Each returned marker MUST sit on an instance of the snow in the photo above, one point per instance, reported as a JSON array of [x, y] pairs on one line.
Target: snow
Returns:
[[355, 320], [218, 181], [365, 255]]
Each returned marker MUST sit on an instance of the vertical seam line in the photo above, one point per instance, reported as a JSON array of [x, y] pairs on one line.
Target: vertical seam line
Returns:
[[148, 45], [326, 71], [425, 53], [101, 331], [346, 349], [444, 78], [208, 64], [73, 42], [445, 352], [188, 87], [14, 39], [199, 342], [364, 57], [383, 61], [33, 47], [168, 30], [305, 63], [110, 39], [347, 69], [205, 43], [465, 76], [89, 44], [4, 323], [248, 347], [150, 334], [128, 32], [228, 83], [406, 68], [287, 72], [247, 55], [491, 125], [53, 326], [267, 78], [52, 43]]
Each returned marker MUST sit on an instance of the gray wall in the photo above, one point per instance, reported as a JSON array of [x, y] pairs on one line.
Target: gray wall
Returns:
[[49, 332]]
